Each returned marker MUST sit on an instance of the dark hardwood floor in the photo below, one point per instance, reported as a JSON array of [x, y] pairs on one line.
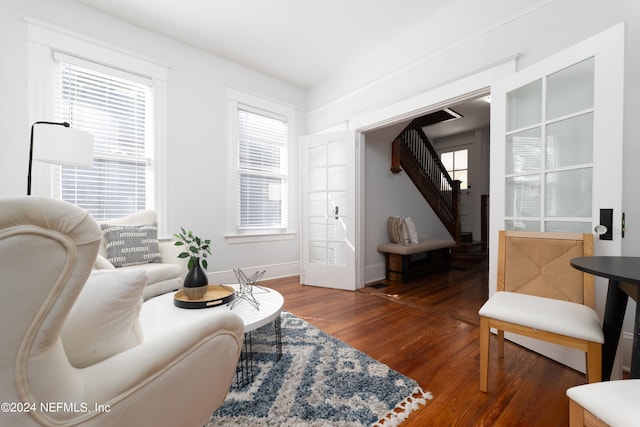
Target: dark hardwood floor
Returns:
[[428, 330]]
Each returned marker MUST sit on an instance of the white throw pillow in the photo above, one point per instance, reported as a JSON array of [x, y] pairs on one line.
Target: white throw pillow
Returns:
[[397, 230], [129, 245], [104, 319], [147, 216], [411, 229]]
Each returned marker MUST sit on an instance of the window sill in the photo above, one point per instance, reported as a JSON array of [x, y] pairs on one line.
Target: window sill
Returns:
[[233, 239]]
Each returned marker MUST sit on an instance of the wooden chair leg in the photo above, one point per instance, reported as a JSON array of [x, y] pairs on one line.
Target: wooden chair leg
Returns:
[[500, 344], [484, 353], [594, 362], [576, 414]]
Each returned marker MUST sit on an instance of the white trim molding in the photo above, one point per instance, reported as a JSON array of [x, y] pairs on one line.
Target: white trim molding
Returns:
[[43, 40], [273, 271]]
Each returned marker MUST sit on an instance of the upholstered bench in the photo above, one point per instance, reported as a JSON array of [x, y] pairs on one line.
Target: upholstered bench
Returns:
[[404, 262]]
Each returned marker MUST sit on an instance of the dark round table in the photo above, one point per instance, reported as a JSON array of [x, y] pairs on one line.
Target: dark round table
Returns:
[[624, 282]]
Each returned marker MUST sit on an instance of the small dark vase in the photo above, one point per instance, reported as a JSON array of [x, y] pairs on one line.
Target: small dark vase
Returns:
[[195, 283]]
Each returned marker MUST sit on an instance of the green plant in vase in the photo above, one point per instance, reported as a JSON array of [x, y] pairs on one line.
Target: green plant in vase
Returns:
[[197, 250]]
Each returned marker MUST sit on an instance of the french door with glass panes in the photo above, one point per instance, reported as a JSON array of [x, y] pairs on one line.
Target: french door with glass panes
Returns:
[[328, 210], [556, 152]]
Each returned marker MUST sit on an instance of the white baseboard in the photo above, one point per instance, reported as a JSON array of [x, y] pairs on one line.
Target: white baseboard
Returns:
[[374, 273], [273, 271]]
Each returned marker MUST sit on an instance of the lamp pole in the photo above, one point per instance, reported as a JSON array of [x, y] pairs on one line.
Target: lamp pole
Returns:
[[65, 124]]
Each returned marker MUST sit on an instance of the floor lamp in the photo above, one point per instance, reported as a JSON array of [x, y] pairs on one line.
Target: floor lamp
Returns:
[[58, 143]]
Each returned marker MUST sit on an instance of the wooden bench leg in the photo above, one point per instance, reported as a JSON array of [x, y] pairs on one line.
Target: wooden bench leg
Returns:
[[404, 268], [398, 267]]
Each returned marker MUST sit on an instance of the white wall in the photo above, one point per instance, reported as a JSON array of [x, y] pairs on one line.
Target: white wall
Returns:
[[196, 125], [466, 37], [471, 36]]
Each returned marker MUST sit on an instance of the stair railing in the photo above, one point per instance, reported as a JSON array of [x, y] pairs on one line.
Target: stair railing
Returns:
[[413, 153]]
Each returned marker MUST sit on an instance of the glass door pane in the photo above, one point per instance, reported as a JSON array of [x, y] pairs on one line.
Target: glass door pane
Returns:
[[568, 194], [549, 151], [570, 90], [570, 141], [524, 151], [327, 204], [524, 106]]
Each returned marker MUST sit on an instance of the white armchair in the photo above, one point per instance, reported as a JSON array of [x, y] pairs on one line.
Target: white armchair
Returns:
[[47, 252]]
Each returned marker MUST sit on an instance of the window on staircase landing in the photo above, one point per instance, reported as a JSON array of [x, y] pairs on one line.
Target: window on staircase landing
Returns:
[[457, 165]]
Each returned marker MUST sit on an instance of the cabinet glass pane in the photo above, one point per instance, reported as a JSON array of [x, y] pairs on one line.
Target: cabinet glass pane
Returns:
[[318, 155], [519, 225], [336, 153], [522, 198], [524, 151], [568, 193], [337, 177], [570, 90], [524, 106], [317, 179], [568, 226], [570, 141]]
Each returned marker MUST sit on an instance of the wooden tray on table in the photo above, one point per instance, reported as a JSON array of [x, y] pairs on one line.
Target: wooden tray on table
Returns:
[[216, 295]]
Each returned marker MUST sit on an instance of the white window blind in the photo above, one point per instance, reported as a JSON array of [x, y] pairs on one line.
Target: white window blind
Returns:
[[262, 170], [115, 107]]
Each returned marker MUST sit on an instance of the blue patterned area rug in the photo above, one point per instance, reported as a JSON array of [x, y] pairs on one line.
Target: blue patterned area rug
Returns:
[[319, 381]]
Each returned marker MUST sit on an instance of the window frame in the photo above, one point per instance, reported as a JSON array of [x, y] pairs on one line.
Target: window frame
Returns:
[[106, 154], [43, 40], [236, 100], [453, 151]]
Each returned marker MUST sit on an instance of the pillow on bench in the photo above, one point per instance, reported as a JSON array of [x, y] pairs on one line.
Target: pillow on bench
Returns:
[[402, 230]]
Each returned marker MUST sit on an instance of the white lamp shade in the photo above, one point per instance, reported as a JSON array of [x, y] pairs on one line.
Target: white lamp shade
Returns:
[[62, 145]]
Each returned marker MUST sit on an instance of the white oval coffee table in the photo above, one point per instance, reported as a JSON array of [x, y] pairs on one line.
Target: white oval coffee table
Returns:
[[159, 315]]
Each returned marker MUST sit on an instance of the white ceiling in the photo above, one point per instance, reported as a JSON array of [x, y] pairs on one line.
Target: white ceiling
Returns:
[[299, 41], [475, 115]]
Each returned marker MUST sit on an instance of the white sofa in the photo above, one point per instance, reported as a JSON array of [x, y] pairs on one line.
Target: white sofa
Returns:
[[164, 275], [72, 349]]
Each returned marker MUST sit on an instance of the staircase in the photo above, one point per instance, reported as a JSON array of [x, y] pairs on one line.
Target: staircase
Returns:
[[471, 250], [412, 152]]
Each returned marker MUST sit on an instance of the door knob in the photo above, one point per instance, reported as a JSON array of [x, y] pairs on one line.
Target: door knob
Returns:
[[600, 229], [605, 229]]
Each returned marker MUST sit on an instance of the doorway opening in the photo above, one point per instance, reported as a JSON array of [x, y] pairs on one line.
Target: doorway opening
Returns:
[[387, 195]]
